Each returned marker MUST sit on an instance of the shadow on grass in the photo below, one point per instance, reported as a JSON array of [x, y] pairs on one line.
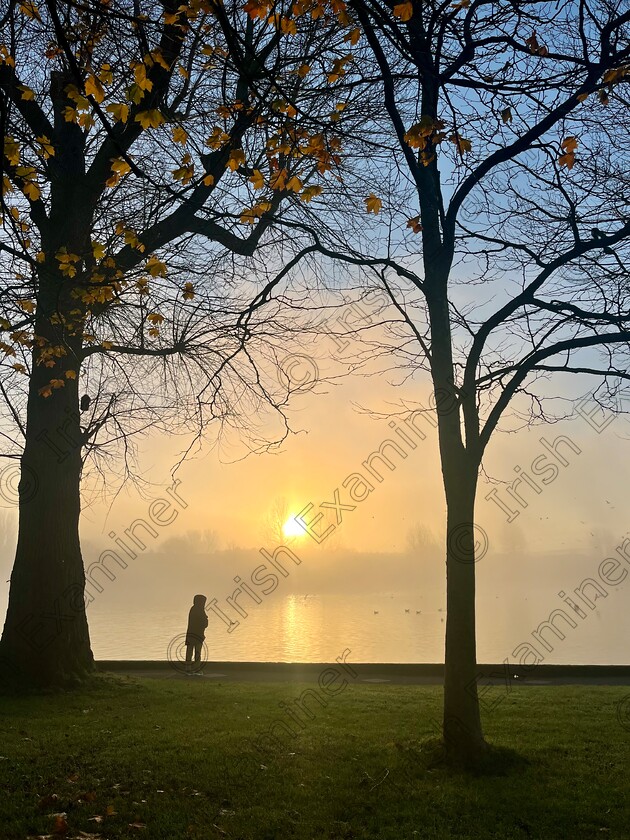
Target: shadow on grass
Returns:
[[432, 754]]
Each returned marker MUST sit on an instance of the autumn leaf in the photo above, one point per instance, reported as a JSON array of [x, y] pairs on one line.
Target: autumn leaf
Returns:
[[208, 180], [462, 144], [72, 374], [180, 135], [403, 11], [155, 267], [288, 26], [534, 46], [373, 204], [149, 119], [236, 159], [568, 146], [294, 184], [98, 250], [506, 115], [188, 291], [257, 179], [94, 88], [414, 224], [28, 8], [31, 190], [46, 148], [119, 111], [309, 193], [27, 93]]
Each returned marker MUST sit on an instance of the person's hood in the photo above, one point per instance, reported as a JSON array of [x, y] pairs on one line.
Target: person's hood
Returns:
[[199, 601]]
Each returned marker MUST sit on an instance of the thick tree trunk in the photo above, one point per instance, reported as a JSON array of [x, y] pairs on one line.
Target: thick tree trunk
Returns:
[[45, 639], [463, 735]]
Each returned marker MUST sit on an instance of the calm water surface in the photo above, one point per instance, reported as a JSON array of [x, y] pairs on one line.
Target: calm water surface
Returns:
[[376, 628]]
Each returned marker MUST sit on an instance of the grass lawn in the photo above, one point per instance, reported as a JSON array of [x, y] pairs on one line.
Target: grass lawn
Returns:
[[177, 759]]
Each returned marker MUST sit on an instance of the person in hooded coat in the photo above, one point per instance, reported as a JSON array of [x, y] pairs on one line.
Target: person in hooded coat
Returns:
[[197, 623]]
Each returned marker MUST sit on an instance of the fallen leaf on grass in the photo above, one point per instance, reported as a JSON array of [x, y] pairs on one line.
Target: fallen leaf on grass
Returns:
[[137, 825], [60, 825]]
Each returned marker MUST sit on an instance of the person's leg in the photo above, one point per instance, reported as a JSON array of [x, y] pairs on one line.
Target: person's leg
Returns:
[[198, 665], [189, 655]]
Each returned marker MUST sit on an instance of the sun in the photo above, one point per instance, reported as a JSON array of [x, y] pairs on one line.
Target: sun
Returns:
[[292, 528]]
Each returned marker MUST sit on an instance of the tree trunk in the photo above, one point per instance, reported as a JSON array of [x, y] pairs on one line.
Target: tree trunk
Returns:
[[463, 735], [45, 639]]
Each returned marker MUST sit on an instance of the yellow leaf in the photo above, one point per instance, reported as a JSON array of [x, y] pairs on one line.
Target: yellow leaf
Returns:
[[46, 149], [119, 111], [294, 184], [40, 257], [310, 192], [403, 11], [71, 374], [31, 190], [11, 151], [180, 135], [188, 291], [28, 8], [353, 36], [106, 76], [26, 305], [120, 166], [45, 392], [98, 250], [149, 119], [57, 383], [287, 26], [236, 159], [258, 179], [155, 267], [94, 88], [20, 368], [208, 180], [303, 70], [27, 93], [155, 318], [141, 79], [373, 204]]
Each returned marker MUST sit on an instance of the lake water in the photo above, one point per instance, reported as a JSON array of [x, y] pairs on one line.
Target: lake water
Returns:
[[376, 628]]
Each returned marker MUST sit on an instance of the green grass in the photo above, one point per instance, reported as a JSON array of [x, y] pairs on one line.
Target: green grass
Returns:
[[177, 757]]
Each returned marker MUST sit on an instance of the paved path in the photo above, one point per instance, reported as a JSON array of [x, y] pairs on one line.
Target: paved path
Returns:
[[373, 674]]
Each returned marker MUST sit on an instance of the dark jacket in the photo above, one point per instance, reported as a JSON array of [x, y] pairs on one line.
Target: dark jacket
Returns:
[[197, 621]]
